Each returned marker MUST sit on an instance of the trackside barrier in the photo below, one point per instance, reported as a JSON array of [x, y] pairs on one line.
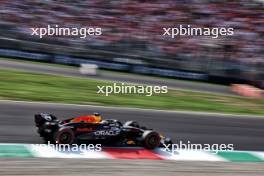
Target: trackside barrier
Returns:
[[88, 69], [69, 60], [247, 91]]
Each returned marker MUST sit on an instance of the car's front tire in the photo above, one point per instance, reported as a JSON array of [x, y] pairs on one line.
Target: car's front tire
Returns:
[[151, 139]]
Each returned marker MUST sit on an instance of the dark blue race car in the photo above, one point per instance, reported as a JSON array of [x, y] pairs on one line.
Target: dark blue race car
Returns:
[[92, 129]]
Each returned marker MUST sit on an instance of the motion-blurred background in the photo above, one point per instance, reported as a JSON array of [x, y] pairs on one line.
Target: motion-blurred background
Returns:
[[132, 36], [132, 41]]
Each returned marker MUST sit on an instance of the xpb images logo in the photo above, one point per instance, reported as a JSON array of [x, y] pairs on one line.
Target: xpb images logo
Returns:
[[131, 89]]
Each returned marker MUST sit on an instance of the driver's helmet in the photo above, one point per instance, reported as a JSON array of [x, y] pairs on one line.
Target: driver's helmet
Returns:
[[97, 117]]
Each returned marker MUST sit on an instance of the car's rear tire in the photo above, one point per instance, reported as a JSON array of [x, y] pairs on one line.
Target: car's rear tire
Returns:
[[151, 139], [64, 136]]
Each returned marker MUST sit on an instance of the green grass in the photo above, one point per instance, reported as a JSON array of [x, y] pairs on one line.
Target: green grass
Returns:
[[16, 85]]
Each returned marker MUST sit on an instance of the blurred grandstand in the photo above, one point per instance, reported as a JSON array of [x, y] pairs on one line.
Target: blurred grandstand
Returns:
[[132, 33]]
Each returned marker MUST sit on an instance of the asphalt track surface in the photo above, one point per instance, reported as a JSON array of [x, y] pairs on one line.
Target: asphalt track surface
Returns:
[[246, 133], [186, 85], [74, 167]]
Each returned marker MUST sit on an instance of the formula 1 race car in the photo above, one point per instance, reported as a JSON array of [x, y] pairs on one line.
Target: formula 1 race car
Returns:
[[92, 129]]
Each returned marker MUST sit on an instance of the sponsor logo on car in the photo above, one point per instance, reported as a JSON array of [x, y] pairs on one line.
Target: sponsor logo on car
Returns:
[[84, 129], [107, 133]]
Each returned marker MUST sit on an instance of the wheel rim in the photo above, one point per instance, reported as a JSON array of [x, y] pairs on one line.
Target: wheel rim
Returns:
[[153, 140], [65, 138]]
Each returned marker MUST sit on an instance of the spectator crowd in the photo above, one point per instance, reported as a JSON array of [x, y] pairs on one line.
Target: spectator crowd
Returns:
[[137, 25]]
